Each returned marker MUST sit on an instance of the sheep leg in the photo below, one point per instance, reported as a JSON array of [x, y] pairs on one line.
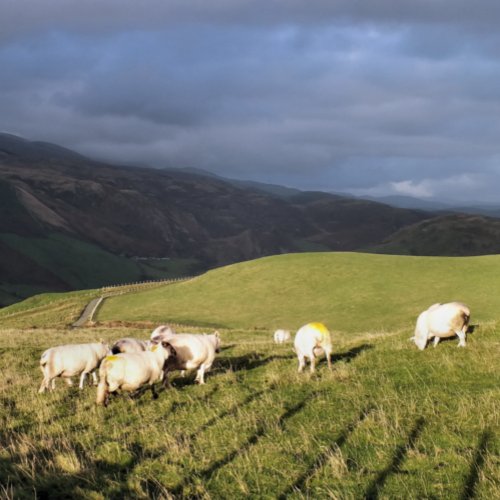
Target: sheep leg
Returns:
[[82, 380], [313, 363], [328, 360], [138, 392], [461, 336], [94, 377], [200, 375], [45, 384], [68, 381], [153, 392], [436, 341], [166, 382], [302, 363], [102, 392]]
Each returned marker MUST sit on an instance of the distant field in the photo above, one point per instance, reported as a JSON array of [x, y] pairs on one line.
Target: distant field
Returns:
[[79, 265], [350, 292], [389, 421]]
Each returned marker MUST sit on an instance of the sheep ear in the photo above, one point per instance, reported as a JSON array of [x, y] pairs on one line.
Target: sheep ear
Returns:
[[102, 341], [216, 333]]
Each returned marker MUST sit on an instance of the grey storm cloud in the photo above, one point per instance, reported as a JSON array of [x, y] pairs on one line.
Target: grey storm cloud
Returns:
[[379, 97]]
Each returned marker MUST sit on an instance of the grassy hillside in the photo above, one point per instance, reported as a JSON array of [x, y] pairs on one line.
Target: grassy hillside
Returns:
[[350, 292], [453, 235], [389, 421], [60, 262]]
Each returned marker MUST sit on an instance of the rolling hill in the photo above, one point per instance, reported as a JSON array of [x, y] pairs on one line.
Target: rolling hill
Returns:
[[454, 235], [56, 203], [351, 292]]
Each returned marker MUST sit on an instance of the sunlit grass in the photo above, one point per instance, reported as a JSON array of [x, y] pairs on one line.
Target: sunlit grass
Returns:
[[388, 420]]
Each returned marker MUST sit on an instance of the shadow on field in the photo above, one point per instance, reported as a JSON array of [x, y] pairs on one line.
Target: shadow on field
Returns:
[[254, 360], [227, 347], [398, 457], [261, 431], [322, 459], [349, 355], [230, 411], [200, 399], [246, 362], [476, 465]]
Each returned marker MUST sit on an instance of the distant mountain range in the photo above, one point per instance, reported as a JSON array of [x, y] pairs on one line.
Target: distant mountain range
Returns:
[[431, 205], [70, 222]]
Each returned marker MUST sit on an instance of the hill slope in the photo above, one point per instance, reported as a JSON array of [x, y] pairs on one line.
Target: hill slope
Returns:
[[454, 235], [348, 291], [388, 421], [52, 194], [351, 292]]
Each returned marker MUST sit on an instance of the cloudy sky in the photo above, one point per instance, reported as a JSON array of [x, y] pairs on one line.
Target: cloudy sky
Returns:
[[372, 97]]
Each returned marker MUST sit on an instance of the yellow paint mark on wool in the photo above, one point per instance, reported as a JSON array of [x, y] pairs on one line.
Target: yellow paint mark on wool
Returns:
[[323, 331], [153, 349], [112, 357], [320, 327]]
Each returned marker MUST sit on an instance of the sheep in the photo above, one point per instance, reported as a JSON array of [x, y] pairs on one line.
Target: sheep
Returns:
[[312, 340], [194, 352], [281, 336], [69, 360], [440, 321], [163, 332], [129, 345], [131, 371]]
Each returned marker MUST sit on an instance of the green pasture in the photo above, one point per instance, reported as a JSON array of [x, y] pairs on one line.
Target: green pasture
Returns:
[[350, 292], [389, 421]]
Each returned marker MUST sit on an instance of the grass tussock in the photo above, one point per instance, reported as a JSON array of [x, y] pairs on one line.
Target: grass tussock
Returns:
[[388, 421]]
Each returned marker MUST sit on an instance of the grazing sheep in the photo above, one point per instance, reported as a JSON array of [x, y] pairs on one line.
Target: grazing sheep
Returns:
[[194, 352], [312, 340], [163, 332], [129, 345], [131, 371], [69, 360], [440, 321], [281, 336]]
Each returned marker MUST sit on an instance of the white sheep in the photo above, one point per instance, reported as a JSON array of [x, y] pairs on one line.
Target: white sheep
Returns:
[[312, 340], [441, 321], [194, 352], [163, 332], [131, 371], [281, 336], [129, 345], [70, 360]]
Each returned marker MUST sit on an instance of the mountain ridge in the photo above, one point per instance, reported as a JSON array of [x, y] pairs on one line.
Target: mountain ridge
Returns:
[[56, 201]]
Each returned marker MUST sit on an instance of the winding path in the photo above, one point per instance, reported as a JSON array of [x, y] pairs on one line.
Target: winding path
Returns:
[[88, 312]]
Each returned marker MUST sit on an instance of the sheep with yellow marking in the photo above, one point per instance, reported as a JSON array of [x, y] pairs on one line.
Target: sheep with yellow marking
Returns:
[[70, 360], [441, 321], [131, 371], [312, 340]]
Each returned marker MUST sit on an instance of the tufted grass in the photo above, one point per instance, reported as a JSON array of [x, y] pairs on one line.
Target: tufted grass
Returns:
[[389, 421]]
